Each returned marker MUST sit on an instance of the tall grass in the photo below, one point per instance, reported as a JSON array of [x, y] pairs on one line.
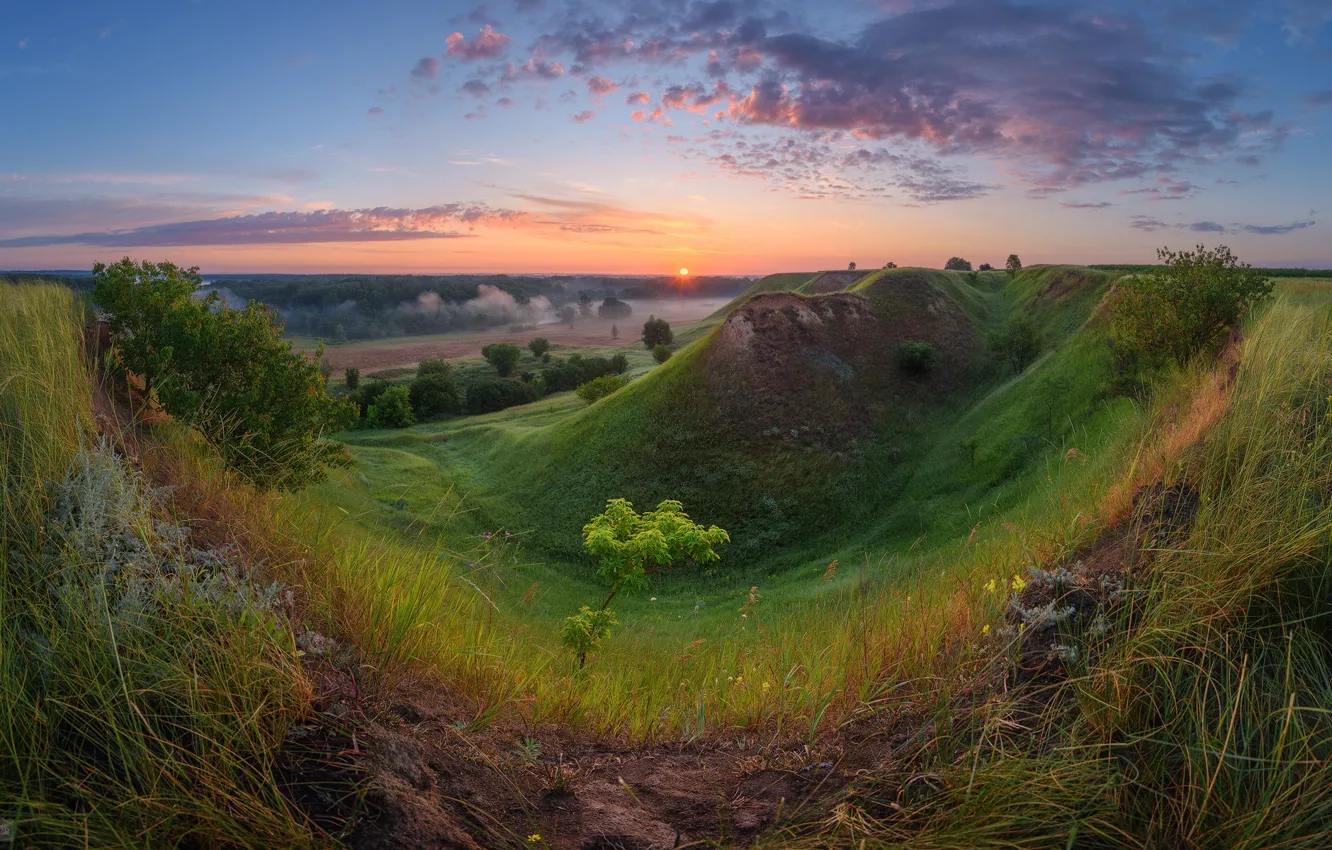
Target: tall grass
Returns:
[[145, 687]]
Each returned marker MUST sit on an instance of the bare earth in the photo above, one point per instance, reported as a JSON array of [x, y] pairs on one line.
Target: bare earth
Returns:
[[585, 333]]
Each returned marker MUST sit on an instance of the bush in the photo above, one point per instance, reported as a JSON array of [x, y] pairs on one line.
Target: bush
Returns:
[[657, 332], [491, 396], [393, 409], [577, 370], [1018, 343], [985, 267], [503, 356], [957, 264], [434, 392], [599, 388], [368, 394], [916, 358], [614, 308], [620, 364], [661, 353], [1186, 307], [352, 378], [539, 346]]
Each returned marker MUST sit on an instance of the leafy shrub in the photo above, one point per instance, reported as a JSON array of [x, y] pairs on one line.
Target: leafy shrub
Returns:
[[1186, 307], [136, 299], [916, 358], [620, 363], [1019, 343], [539, 346], [503, 356], [577, 370], [614, 308], [599, 388], [957, 264], [393, 409], [661, 353], [985, 267], [368, 394], [352, 378], [657, 332], [491, 396], [434, 392]]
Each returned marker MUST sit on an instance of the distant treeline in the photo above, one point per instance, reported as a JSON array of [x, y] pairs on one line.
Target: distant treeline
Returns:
[[76, 282], [346, 307], [1126, 267]]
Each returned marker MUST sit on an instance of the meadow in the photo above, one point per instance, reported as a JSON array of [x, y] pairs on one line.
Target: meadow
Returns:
[[895, 602]]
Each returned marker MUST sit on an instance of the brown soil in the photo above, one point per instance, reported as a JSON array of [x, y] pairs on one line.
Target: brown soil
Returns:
[[839, 350], [586, 333]]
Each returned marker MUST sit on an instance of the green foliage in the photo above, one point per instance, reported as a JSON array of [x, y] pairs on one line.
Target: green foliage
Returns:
[[503, 356], [661, 353], [136, 300], [582, 632], [492, 396], [570, 374], [434, 392], [260, 404], [1186, 307], [1018, 342], [657, 332], [620, 363], [957, 264], [539, 346], [599, 388], [1014, 265], [393, 408], [985, 267], [614, 308], [915, 357], [352, 378], [890, 265]]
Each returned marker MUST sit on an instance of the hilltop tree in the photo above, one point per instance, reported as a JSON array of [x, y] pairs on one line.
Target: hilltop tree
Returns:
[[957, 264], [503, 356], [136, 299], [1014, 265], [656, 332], [1019, 342], [850, 267], [352, 378], [539, 346], [1187, 306], [890, 265], [630, 548]]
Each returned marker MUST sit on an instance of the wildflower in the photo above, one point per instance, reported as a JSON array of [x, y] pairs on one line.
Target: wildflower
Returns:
[[653, 599], [1018, 583], [534, 838], [986, 630], [766, 686], [991, 586]]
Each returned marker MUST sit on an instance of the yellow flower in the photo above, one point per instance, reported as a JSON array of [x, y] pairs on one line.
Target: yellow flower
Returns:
[[767, 685], [534, 838], [1018, 583], [986, 630], [991, 586]]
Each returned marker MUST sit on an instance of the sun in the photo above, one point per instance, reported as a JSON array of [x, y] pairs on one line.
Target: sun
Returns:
[[684, 272]]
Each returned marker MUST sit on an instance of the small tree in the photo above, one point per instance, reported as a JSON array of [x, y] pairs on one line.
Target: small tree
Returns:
[[630, 548], [599, 388], [540, 346], [567, 314], [957, 264], [661, 353], [614, 308], [620, 363], [393, 409], [890, 265], [503, 356], [915, 357], [1186, 307], [585, 306], [434, 392], [1014, 265], [985, 267], [1019, 343], [352, 378], [656, 332], [136, 300], [850, 267]]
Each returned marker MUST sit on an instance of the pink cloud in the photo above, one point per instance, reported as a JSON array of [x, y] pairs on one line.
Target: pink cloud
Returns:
[[487, 45]]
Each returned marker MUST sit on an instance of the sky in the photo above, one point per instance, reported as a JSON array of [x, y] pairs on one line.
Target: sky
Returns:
[[724, 136]]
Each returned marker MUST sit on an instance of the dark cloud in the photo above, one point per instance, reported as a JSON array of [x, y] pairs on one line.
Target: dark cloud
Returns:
[[476, 88], [1147, 223], [1318, 99], [488, 44], [425, 69], [381, 224], [1206, 227], [1097, 205], [1275, 229]]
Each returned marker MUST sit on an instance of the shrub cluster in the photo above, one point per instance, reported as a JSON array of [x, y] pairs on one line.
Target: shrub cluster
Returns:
[[599, 388], [915, 357], [570, 374]]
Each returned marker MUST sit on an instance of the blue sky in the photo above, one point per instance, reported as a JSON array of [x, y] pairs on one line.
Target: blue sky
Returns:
[[726, 136]]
